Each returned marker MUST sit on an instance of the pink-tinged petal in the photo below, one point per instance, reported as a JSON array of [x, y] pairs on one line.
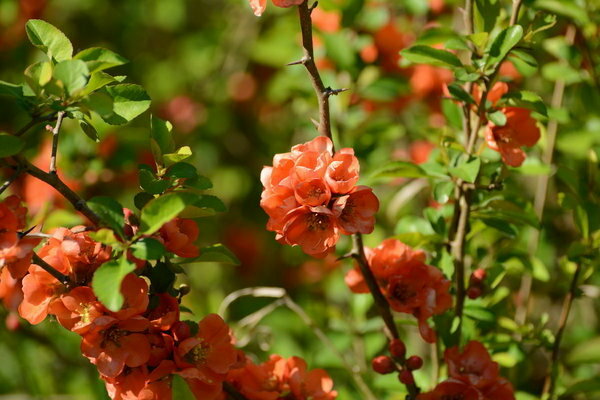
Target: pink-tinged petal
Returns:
[[426, 332], [258, 6], [137, 349], [288, 3], [110, 364], [312, 193]]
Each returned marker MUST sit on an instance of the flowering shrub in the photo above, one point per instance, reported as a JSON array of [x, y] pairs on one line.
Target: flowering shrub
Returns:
[[450, 191]]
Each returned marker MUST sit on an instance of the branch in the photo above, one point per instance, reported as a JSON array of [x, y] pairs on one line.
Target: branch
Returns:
[[550, 381], [34, 121], [308, 61], [516, 5], [391, 331], [62, 278], [10, 180], [55, 133], [54, 181]]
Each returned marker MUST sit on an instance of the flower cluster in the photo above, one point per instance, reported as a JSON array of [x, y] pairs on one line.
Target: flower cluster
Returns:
[[519, 130], [280, 378], [310, 195], [139, 348], [410, 285], [472, 375]]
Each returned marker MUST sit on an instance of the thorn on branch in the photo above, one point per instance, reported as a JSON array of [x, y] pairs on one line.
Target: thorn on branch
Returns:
[[311, 8], [62, 278], [333, 92], [301, 61]]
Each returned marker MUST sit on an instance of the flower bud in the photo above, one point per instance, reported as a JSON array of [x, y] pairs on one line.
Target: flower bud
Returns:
[[474, 292], [414, 362], [397, 348], [383, 365], [406, 377]]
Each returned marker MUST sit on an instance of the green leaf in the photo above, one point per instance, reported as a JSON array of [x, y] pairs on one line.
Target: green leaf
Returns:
[[107, 282], [110, 211], [98, 58], [129, 101], [181, 154], [10, 145], [497, 117], [141, 199], [479, 313], [198, 182], [429, 55], [467, 169], [506, 211], [148, 249], [151, 184], [503, 43], [89, 130], [569, 9], [161, 140], [182, 170], [527, 99], [97, 81], [10, 89], [398, 169], [38, 75], [161, 210], [479, 39], [49, 39], [105, 236], [442, 191], [73, 74], [161, 277], [460, 94], [209, 201], [215, 253], [585, 386]]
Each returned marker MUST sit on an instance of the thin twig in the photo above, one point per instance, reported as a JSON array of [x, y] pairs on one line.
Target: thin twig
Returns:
[[55, 136], [516, 4], [308, 61], [10, 180], [541, 191], [34, 121], [62, 278], [469, 26], [381, 303], [54, 181], [550, 381]]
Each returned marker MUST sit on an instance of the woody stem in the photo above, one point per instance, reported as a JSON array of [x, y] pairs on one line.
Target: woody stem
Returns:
[[10, 180], [308, 60], [55, 133], [62, 278], [550, 381], [391, 331]]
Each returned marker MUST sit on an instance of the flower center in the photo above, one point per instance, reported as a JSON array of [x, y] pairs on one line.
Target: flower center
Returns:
[[458, 396], [317, 222], [402, 292], [198, 354], [114, 335]]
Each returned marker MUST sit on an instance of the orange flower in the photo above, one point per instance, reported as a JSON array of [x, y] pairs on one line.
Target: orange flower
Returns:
[[520, 130], [165, 313], [259, 6], [40, 289], [427, 80], [135, 292], [11, 292], [140, 384], [282, 378], [111, 344], [356, 211], [15, 252], [342, 172], [420, 150], [410, 285], [77, 309], [205, 359], [179, 236], [473, 375], [310, 195], [314, 229], [326, 21]]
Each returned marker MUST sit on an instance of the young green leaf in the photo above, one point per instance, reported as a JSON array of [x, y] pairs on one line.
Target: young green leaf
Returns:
[[73, 74], [161, 210], [215, 253], [89, 130], [498, 118], [429, 55], [49, 39], [107, 280], [148, 249], [467, 169], [129, 101], [160, 138], [398, 169], [503, 44], [460, 94], [110, 211], [99, 59]]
